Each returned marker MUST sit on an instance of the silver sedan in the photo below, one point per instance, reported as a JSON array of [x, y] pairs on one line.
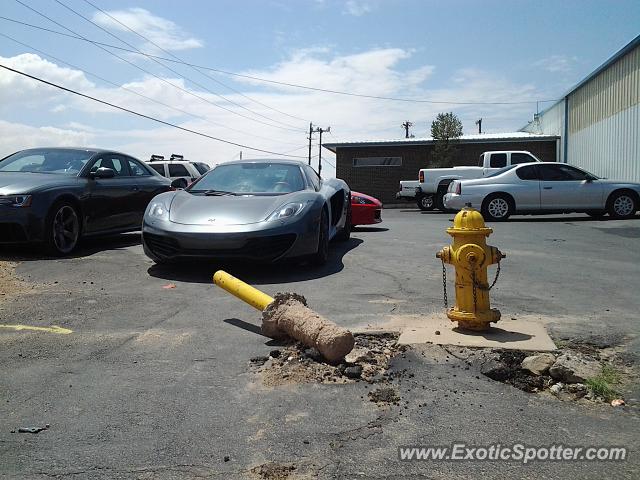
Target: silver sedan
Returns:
[[544, 187]]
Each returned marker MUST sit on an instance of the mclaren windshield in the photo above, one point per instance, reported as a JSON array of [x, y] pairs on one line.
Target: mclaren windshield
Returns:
[[257, 178]]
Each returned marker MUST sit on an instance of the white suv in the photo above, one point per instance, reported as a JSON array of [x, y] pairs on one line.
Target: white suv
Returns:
[[178, 168]]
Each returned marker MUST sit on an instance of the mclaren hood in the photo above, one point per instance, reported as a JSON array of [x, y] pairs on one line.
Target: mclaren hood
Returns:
[[188, 209]]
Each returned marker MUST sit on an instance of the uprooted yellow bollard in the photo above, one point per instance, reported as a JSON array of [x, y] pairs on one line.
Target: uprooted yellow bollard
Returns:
[[288, 315]]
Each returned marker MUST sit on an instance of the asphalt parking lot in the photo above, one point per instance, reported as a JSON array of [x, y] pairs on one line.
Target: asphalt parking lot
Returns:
[[156, 382]]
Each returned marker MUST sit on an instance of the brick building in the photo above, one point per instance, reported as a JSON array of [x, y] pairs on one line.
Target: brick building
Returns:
[[376, 167]]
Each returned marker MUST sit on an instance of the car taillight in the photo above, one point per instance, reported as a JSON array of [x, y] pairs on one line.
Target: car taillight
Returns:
[[421, 176], [459, 188]]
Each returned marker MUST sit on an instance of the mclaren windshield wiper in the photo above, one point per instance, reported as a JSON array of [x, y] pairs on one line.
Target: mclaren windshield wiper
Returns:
[[218, 193]]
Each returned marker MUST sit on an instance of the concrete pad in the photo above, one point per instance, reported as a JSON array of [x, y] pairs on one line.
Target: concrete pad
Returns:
[[527, 333]]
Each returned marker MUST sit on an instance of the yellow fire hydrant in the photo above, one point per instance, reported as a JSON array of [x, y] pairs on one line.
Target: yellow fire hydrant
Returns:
[[470, 255]]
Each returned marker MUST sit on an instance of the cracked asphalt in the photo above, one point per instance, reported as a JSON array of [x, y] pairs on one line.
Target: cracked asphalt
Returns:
[[156, 383]]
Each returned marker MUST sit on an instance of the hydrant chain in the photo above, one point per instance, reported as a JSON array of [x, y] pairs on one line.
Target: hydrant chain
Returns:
[[444, 285], [495, 280]]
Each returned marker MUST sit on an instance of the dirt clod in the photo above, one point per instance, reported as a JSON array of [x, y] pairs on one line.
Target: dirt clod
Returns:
[[299, 364], [273, 471], [260, 360], [9, 284], [384, 395]]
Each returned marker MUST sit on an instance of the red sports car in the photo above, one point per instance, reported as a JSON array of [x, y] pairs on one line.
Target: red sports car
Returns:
[[365, 210]]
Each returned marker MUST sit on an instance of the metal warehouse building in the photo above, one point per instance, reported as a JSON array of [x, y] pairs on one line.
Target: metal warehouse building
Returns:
[[376, 167], [599, 119]]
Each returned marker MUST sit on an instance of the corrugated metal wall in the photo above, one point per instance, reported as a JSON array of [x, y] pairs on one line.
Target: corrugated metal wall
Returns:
[[550, 122], [604, 121], [611, 147]]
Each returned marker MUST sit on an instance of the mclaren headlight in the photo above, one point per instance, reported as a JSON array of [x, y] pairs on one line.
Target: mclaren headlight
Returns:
[[287, 211], [159, 210], [18, 201]]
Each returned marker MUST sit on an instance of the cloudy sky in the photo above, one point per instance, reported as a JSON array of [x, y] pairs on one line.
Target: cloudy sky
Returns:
[[454, 51]]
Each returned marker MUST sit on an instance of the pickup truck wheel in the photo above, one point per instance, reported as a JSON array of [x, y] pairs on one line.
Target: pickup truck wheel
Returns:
[[497, 208], [425, 202]]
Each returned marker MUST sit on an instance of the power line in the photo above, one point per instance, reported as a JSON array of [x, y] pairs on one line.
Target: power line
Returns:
[[275, 82], [184, 112], [148, 117], [59, 2], [193, 68], [148, 72], [299, 148], [290, 127]]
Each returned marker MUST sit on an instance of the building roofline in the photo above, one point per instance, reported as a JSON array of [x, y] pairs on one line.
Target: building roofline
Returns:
[[607, 63], [430, 141], [611, 60]]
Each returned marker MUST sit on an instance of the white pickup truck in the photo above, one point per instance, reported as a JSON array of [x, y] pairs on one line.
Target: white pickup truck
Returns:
[[407, 190], [433, 182]]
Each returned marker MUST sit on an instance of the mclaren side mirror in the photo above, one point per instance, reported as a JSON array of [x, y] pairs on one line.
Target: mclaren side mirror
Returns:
[[103, 172]]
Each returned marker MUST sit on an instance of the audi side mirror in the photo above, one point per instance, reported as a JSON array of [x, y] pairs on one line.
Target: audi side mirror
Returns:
[[180, 183], [103, 172]]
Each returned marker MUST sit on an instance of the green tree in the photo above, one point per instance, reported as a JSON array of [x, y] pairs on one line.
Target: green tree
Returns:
[[445, 130]]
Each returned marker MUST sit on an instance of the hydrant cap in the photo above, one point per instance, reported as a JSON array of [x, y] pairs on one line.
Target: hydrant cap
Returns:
[[469, 220]]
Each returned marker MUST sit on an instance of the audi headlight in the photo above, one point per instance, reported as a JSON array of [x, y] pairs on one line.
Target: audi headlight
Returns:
[[18, 201], [159, 210], [287, 211]]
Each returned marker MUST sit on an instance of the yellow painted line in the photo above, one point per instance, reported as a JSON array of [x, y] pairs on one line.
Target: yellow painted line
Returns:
[[51, 329]]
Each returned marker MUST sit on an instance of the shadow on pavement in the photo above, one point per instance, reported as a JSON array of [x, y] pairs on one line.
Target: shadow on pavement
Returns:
[[370, 229], [560, 219], [496, 334], [257, 330], [249, 327], [86, 248], [256, 274]]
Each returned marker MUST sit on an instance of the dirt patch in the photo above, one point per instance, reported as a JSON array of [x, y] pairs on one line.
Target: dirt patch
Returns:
[[9, 284], [384, 395], [508, 371], [273, 471], [295, 363], [506, 366]]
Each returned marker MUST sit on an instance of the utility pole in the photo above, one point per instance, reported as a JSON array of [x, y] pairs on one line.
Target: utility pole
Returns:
[[479, 123], [320, 131], [406, 126], [310, 134]]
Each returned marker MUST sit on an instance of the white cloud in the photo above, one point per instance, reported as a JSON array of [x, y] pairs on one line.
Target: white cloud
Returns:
[[375, 72], [160, 31], [372, 73], [357, 8], [17, 136], [17, 89], [556, 63]]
